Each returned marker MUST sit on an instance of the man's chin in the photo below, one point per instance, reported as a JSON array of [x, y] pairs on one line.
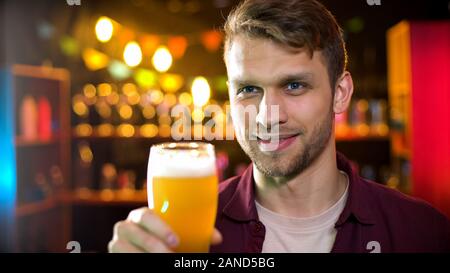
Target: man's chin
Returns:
[[276, 163]]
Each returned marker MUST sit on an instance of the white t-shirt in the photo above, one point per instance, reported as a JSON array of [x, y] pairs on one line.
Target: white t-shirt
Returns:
[[296, 235]]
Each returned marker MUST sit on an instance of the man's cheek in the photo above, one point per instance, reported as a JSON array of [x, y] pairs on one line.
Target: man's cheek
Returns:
[[238, 124]]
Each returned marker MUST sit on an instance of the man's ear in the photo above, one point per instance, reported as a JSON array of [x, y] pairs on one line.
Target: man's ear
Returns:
[[343, 93]]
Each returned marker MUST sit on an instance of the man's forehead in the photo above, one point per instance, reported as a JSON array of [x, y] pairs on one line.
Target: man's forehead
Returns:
[[254, 53], [250, 59], [243, 48]]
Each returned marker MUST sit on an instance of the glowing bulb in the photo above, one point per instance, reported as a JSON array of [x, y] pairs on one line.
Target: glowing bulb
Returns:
[[125, 111], [171, 82], [104, 89], [201, 91], [94, 60], [164, 119], [162, 59], [164, 130], [170, 100], [156, 97], [197, 115], [79, 107], [105, 130], [113, 98], [83, 129], [86, 153], [104, 29], [129, 88], [134, 99], [148, 130], [89, 90], [148, 112], [125, 130], [132, 54], [185, 98]]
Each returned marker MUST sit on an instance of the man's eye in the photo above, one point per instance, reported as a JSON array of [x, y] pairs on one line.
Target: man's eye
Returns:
[[247, 90], [295, 85]]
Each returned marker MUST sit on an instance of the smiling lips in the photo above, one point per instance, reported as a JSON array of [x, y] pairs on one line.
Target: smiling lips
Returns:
[[270, 144]]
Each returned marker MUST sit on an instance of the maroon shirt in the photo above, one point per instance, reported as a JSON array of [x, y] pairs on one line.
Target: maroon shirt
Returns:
[[375, 219]]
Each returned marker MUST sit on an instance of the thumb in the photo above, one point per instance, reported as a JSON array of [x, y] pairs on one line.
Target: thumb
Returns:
[[216, 237]]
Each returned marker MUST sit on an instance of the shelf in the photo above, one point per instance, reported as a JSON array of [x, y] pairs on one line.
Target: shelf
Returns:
[[85, 197], [97, 137], [107, 197], [346, 138], [406, 155], [362, 138], [21, 142], [36, 207]]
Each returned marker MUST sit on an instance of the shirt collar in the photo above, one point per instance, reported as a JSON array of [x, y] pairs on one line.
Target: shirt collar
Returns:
[[359, 199], [241, 206]]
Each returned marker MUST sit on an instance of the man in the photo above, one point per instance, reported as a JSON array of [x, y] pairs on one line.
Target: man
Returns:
[[299, 195]]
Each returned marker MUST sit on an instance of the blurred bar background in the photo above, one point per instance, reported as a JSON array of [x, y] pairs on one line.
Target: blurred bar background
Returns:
[[85, 90]]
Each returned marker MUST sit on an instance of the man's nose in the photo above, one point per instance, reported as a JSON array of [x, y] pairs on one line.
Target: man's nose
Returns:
[[271, 111]]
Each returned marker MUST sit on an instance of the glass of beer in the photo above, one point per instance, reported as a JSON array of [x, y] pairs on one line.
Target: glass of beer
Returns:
[[183, 191]]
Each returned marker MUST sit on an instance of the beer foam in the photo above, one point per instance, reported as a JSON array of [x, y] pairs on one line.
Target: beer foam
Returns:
[[181, 164]]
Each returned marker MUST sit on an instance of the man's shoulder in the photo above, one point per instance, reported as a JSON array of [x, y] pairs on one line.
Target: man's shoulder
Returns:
[[393, 203]]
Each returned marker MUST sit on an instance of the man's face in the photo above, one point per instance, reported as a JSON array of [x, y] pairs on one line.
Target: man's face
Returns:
[[262, 74]]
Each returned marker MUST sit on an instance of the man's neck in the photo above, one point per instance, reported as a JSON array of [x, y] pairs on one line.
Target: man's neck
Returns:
[[307, 194]]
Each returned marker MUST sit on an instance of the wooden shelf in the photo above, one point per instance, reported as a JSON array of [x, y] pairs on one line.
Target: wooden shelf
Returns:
[[346, 138], [36, 207], [107, 197], [21, 142], [87, 197], [362, 138], [34, 156]]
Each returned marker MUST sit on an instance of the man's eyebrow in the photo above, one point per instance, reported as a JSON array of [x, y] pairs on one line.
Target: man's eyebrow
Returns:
[[303, 76]]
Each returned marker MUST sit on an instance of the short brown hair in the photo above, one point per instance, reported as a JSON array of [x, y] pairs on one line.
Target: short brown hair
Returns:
[[293, 23]]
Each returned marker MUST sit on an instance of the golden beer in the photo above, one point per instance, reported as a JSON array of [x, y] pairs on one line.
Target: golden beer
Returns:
[[183, 191]]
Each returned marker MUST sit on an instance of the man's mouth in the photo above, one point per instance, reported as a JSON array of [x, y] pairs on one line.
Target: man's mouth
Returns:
[[269, 143]]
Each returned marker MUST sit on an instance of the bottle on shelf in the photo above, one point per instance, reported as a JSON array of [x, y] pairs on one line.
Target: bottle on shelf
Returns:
[[28, 118], [44, 119]]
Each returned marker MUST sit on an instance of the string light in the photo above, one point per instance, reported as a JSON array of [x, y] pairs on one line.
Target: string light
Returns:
[[201, 91], [185, 98], [132, 54], [104, 29], [105, 130], [148, 112], [170, 100], [125, 130], [79, 107], [156, 97], [94, 60], [83, 129], [162, 59], [148, 130], [89, 90], [197, 115], [104, 89], [125, 111]]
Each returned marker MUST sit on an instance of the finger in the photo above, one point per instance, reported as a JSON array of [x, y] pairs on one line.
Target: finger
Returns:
[[141, 238], [216, 237], [151, 222], [119, 246]]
